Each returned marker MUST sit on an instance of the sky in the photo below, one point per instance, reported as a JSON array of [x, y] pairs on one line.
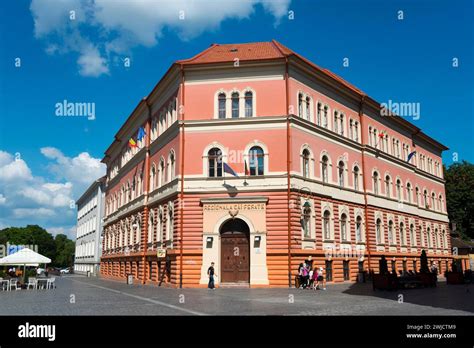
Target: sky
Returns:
[[111, 54]]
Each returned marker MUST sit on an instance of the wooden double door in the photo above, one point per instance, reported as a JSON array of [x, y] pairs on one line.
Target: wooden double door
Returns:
[[235, 253]]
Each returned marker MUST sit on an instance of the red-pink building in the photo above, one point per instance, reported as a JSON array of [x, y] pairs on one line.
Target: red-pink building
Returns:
[[319, 171]]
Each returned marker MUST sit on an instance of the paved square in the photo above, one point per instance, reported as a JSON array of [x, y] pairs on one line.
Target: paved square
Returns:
[[77, 295]]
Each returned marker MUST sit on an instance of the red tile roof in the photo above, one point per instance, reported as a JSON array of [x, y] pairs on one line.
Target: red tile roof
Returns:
[[217, 53], [227, 53]]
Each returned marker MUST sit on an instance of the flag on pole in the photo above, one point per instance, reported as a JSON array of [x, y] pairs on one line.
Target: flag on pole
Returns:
[[141, 133], [132, 143], [228, 169], [410, 156]]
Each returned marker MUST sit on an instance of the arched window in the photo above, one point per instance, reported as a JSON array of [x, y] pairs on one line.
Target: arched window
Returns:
[[324, 168], [341, 173], [152, 177], [370, 136], [402, 234], [222, 104], [335, 121], [318, 117], [425, 199], [151, 227], [172, 166], [129, 192], [325, 117], [428, 235], [134, 187], [214, 157], [300, 104], [159, 227], [376, 183], [356, 131], [437, 239], [441, 205], [326, 225], [358, 229], [344, 227], [387, 186], [306, 220], [248, 104], [170, 223], [399, 190], [306, 162], [308, 108], [356, 178], [408, 192], [412, 235], [256, 161], [390, 233], [235, 105], [341, 128], [378, 231], [433, 201], [417, 194], [162, 172]]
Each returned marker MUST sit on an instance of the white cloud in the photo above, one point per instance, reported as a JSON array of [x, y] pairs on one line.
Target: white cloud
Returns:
[[91, 63], [104, 28], [69, 231], [13, 169], [37, 212], [45, 200], [82, 169]]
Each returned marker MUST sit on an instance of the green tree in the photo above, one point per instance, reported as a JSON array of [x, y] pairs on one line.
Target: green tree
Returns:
[[59, 249], [30, 235], [64, 251], [460, 197]]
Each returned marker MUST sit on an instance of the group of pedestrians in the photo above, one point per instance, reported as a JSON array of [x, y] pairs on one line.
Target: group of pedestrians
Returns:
[[309, 277]]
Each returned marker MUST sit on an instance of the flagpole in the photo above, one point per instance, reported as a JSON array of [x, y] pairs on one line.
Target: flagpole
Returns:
[[223, 171]]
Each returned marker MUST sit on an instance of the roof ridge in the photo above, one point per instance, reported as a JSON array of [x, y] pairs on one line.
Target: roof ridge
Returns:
[[199, 54], [276, 44]]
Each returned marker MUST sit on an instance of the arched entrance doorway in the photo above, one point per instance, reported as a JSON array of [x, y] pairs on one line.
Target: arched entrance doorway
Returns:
[[235, 252]]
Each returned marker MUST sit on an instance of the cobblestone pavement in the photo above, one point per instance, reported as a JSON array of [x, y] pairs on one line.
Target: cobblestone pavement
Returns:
[[77, 295]]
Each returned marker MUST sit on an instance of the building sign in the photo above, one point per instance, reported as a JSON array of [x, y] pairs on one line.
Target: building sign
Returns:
[[234, 207], [161, 253]]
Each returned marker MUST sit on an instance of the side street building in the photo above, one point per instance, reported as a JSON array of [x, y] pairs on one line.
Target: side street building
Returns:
[[90, 212], [253, 157]]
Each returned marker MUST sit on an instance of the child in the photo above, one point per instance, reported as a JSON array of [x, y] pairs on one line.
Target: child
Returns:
[[321, 280], [311, 279], [315, 279]]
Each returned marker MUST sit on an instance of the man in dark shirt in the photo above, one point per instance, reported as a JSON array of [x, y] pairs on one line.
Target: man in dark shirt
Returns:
[[210, 273]]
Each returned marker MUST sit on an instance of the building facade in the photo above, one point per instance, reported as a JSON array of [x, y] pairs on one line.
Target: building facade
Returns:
[[90, 212], [255, 158]]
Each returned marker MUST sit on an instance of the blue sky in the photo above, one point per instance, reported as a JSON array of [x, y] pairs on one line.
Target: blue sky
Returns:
[[81, 60]]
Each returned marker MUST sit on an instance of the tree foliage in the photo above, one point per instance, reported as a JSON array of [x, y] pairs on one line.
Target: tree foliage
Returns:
[[60, 249], [460, 197]]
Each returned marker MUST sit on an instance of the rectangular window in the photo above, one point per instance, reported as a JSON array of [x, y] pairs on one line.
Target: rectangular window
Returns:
[[404, 265], [150, 270], [394, 265], [414, 265], [329, 271], [346, 270]]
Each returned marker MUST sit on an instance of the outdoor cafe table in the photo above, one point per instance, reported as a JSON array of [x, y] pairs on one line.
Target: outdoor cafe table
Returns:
[[41, 281]]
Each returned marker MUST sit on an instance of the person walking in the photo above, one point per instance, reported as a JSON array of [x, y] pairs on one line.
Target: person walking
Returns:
[[210, 273]]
